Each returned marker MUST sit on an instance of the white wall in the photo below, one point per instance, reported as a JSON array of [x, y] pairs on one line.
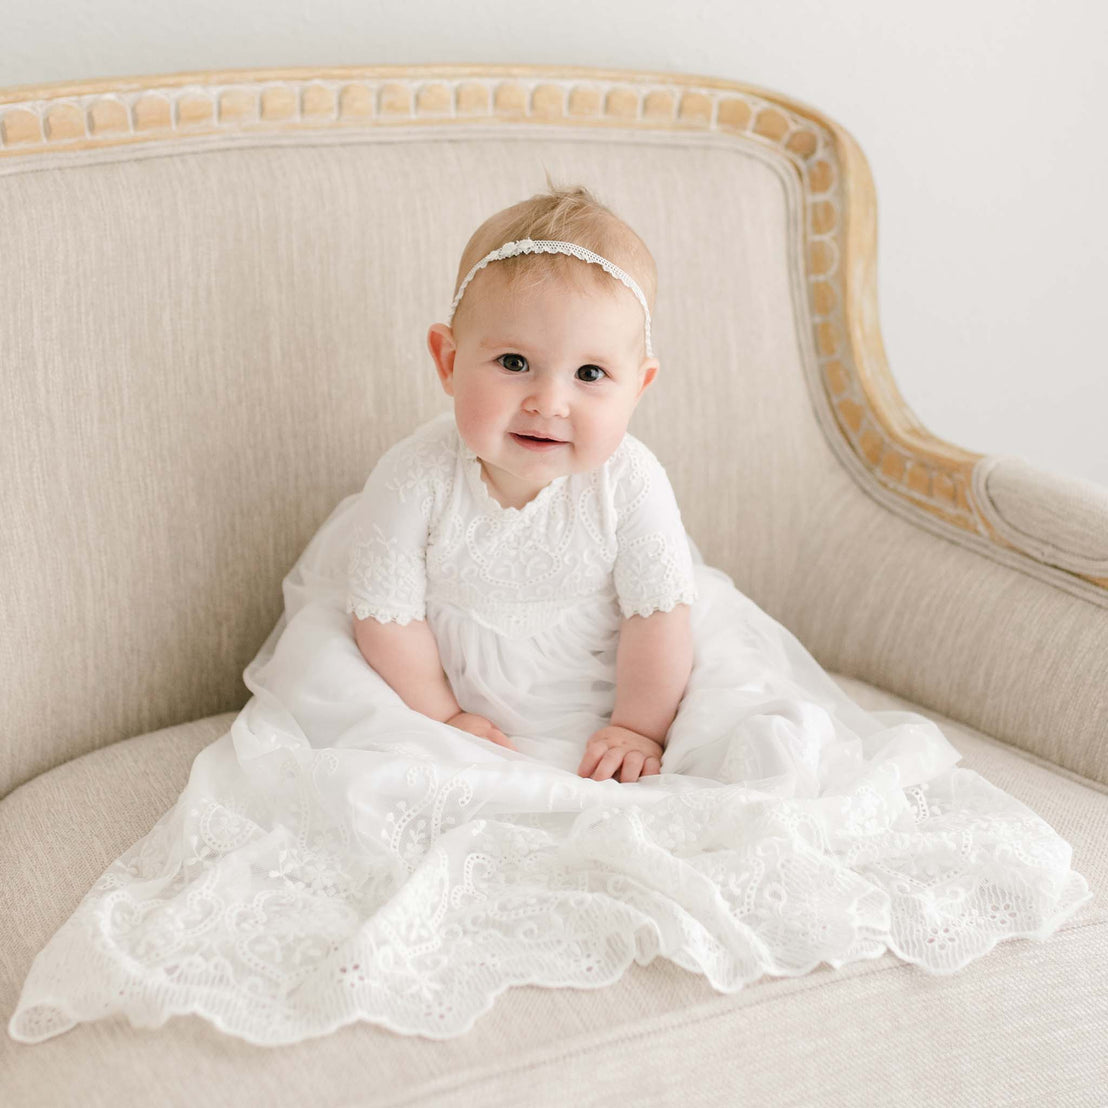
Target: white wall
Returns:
[[982, 121]]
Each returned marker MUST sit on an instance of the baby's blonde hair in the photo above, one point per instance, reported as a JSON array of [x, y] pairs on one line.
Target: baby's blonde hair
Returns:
[[571, 213]]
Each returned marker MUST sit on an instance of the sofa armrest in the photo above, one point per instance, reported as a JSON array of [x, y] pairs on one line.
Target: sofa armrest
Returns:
[[1005, 630], [976, 586], [1059, 521]]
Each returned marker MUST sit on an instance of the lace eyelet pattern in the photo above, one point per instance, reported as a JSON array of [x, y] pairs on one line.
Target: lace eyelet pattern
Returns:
[[337, 856], [430, 530]]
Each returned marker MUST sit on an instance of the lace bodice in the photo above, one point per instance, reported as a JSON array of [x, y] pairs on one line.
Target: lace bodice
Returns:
[[427, 529]]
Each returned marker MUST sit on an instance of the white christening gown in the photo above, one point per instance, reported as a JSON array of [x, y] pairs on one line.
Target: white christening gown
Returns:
[[337, 856]]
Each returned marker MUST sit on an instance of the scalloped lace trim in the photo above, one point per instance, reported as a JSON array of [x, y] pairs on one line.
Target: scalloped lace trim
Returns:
[[383, 615], [281, 930], [649, 607]]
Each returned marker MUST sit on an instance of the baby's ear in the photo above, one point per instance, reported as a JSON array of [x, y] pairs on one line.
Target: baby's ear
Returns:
[[440, 341], [647, 372]]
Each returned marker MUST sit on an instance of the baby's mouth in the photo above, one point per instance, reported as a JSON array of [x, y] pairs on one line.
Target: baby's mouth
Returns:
[[533, 442], [535, 438]]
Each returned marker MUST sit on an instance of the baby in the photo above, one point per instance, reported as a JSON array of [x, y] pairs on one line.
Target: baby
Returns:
[[400, 842], [546, 356]]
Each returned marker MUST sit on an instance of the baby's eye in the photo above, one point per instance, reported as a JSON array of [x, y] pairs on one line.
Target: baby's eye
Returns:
[[590, 369], [513, 361]]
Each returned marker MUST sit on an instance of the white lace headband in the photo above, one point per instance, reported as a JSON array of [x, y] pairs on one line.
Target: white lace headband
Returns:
[[556, 246]]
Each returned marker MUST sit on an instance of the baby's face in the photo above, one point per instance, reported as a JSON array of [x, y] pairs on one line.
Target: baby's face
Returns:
[[550, 361]]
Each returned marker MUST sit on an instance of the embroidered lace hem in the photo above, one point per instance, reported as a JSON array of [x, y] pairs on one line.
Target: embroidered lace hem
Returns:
[[283, 934]]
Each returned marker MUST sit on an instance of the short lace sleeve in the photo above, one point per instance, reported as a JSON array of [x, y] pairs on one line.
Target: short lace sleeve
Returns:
[[387, 571], [654, 565]]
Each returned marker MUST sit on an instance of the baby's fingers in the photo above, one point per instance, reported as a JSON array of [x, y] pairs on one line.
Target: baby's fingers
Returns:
[[632, 765], [591, 758], [650, 766], [607, 765], [501, 739]]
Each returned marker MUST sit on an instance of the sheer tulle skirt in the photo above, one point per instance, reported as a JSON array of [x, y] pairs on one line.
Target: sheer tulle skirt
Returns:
[[337, 856]]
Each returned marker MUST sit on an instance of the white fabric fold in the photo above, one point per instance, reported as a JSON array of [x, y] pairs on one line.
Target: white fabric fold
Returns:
[[337, 856]]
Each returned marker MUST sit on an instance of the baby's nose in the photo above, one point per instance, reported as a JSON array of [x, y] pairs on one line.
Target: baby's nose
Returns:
[[548, 397]]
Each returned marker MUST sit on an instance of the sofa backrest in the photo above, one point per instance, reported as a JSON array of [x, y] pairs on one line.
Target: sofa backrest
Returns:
[[209, 338], [218, 288]]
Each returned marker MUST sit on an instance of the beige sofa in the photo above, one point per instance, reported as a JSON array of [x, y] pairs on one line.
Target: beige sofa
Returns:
[[217, 287]]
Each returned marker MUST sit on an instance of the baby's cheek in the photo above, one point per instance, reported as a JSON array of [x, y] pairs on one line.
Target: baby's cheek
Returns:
[[470, 423]]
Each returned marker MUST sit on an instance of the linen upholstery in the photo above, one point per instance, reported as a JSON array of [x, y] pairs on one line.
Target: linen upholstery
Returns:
[[221, 337], [1057, 519], [1022, 1026], [208, 341]]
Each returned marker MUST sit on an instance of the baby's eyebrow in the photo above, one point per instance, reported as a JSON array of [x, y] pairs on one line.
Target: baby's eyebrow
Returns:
[[498, 343]]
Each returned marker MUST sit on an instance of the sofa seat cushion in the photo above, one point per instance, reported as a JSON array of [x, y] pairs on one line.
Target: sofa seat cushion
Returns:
[[1024, 1024]]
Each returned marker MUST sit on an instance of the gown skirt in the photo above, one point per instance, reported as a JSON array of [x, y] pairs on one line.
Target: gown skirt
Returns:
[[337, 856]]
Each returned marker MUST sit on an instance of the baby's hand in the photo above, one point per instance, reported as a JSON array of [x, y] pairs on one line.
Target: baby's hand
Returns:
[[611, 747], [481, 727]]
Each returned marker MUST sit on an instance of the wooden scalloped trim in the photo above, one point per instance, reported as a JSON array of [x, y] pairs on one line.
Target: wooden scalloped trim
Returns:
[[840, 226]]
